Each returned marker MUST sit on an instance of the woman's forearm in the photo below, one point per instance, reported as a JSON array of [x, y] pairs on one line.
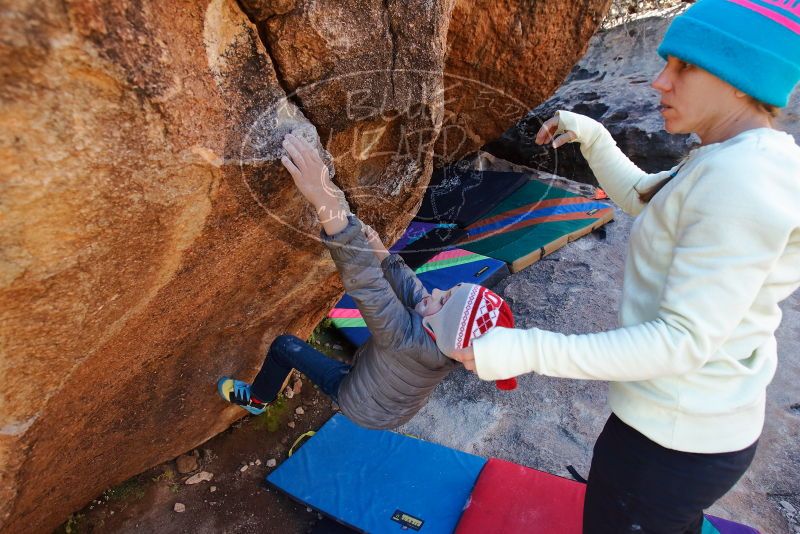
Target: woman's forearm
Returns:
[[617, 174]]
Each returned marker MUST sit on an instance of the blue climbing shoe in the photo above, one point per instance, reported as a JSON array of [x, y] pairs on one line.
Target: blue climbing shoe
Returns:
[[238, 392]]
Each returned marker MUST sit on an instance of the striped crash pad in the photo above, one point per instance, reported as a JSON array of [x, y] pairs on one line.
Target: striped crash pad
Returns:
[[378, 481], [462, 196], [443, 271], [415, 231], [422, 241], [533, 222]]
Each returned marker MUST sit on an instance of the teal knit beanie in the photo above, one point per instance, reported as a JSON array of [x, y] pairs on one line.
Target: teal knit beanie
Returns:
[[754, 45]]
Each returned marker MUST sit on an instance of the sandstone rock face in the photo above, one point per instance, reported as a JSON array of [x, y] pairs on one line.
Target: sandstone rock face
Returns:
[[150, 240], [369, 75], [136, 266], [611, 84], [502, 57], [385, 80]]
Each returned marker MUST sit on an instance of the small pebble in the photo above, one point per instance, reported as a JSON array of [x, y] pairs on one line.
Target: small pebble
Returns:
[[213, 489], [243, 468], [111, 512], [788, 506], [179, 507], [272, 462], [251, 464], [91, 507], [291, 424], [258, 462], [308, 509], [337, 347], [202, 476], [289, 393], [299, 410]]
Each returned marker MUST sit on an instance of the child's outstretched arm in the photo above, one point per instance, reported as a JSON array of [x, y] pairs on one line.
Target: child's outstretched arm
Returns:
[[312, 179], [374, 240], [386, 317], [404, 282]]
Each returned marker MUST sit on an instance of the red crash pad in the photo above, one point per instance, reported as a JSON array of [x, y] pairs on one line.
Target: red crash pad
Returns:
[[511, 498]]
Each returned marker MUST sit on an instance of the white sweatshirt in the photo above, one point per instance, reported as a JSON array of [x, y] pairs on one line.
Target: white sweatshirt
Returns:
[[709, 259]]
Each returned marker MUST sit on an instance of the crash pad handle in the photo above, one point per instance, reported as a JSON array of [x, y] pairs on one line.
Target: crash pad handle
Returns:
[[300, 437]]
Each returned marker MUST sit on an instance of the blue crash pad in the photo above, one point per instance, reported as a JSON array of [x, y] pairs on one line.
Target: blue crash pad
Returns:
[[378, 481]]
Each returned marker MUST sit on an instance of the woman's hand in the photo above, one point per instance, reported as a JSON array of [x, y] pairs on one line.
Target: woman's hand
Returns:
[[375, 243], [465, 356], [548, 131]]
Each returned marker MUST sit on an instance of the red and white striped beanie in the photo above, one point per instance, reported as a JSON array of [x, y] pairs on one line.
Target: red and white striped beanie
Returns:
[[470, 312]]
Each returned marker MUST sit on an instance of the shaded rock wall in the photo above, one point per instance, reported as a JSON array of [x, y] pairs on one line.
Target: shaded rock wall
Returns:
[[611, 83], [149, 240], [369, 75]]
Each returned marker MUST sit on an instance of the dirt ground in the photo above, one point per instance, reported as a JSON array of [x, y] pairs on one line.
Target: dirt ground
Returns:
[[233, 501]]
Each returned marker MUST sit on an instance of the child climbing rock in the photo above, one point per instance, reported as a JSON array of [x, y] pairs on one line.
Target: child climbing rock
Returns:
[[413, 332]]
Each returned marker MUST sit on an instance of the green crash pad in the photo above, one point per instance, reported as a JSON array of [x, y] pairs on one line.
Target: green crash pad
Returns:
[[534, 221]]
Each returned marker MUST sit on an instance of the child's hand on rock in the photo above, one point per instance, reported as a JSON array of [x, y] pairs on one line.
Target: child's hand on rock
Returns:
[[309, 173], [312, 179]]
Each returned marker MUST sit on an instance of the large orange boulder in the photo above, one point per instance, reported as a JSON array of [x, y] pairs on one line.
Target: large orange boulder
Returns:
[[150, 240], [502, 57]]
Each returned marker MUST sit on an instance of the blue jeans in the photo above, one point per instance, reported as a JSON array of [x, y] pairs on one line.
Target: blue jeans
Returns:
[[290, 352]]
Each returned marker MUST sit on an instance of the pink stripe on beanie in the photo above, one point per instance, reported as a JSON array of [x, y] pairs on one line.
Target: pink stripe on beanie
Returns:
[[776, 10]]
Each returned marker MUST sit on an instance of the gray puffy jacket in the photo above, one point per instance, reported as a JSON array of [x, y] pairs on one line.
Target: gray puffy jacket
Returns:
[[394, 371]]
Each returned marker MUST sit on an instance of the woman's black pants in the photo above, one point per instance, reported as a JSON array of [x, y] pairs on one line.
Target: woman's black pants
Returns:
[[636, 485]]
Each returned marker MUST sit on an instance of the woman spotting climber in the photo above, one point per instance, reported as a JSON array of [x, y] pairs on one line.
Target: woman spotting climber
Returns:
[[395, 371], [714, 248]]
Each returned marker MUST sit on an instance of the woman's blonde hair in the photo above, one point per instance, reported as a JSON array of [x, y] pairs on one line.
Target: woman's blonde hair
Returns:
[[771, 110]]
